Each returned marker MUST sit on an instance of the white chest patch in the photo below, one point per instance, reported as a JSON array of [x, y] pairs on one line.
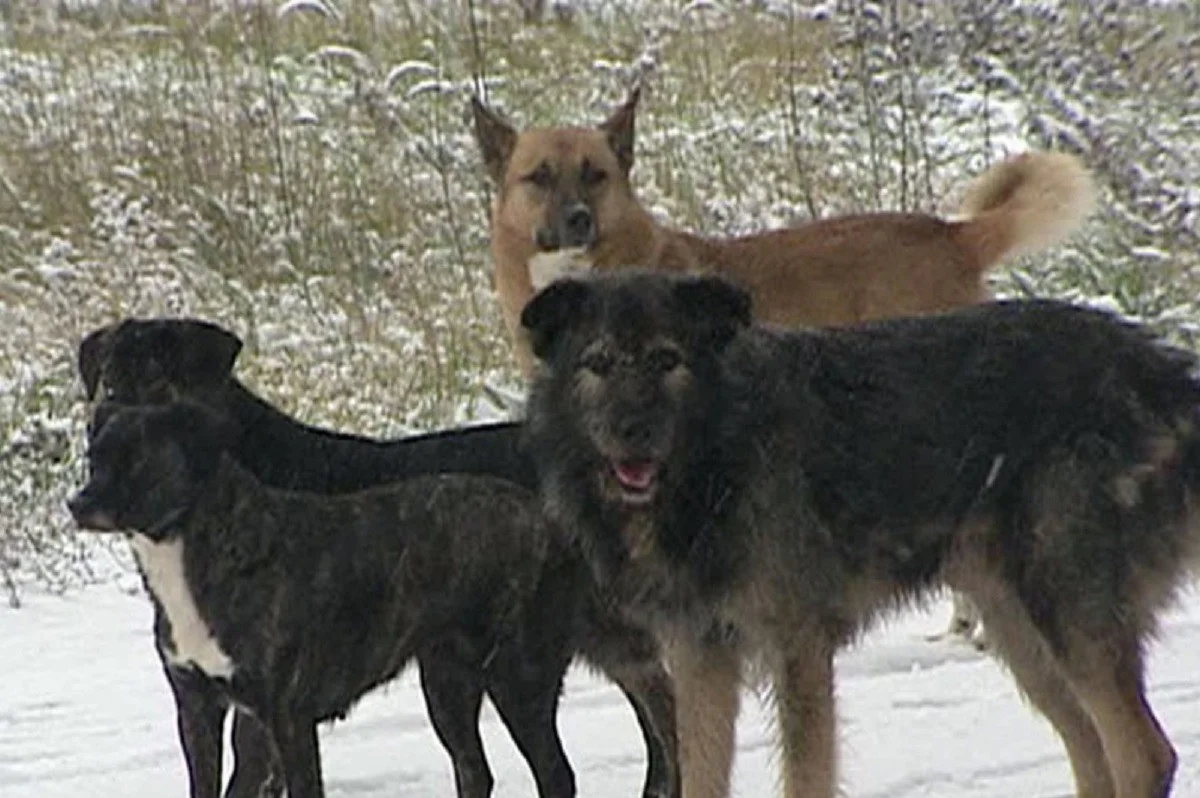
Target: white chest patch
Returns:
[[191, 639], [546, 267]]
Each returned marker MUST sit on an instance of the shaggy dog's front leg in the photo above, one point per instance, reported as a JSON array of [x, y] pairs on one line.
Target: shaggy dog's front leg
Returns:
[[807, 721], [706, 698]]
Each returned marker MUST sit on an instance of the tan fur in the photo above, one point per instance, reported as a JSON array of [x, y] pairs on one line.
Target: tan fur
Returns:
[[824, 273], [706, 682]]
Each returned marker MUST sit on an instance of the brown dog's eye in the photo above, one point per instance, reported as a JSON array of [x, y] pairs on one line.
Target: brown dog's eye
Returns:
[[664, 360], [590, 176], [599, 363], [540, 177]]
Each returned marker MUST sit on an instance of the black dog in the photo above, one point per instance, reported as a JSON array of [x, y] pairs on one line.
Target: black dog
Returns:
[[139, 361], [752, 492]]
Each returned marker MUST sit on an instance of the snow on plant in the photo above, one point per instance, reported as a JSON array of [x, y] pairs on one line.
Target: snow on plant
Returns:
[[304, 173]]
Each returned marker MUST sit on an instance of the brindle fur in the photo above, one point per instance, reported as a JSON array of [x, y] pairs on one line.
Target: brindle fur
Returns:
[[157, 360], [569, 190], [1041, 458]]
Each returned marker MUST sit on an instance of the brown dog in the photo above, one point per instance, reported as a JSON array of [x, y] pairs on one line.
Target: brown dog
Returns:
[[565, 203]]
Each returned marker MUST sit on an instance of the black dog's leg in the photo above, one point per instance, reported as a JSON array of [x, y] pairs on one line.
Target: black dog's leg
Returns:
[[653, 702], [526, 695], [299, 755], [630, 658], [453, 698], [199, 713], [255, 771]]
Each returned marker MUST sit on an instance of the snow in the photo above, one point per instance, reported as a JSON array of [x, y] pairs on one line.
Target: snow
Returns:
[[85, 707]]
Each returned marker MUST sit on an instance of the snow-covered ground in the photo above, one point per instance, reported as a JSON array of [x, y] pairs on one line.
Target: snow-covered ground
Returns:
[[84, 710]]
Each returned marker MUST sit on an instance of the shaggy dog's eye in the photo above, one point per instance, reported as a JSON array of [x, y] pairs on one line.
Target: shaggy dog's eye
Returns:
[[599, 363], [590, 176], [540, 177], [664, 360]]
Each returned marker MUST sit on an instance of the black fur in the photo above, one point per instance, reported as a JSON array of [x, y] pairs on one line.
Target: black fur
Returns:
[[317, 599], [1034, 454], [132, 361]]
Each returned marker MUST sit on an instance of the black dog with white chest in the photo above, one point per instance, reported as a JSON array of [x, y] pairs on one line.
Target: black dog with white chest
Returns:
[[296, 604]]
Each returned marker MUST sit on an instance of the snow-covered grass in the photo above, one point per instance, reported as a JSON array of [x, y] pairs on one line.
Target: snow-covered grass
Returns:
[[304, 174]]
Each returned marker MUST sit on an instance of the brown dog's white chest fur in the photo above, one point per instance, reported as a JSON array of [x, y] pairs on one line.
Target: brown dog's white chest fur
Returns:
[[546, 267], [192, 641]]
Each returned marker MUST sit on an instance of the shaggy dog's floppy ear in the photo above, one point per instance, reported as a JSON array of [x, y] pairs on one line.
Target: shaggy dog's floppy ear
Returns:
[[495, 137], [551, 312], [93, 351], [715, 306], [619, 128], [206, 352]]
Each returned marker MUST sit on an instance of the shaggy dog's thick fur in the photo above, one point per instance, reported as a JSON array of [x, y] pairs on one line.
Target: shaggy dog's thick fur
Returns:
[[565, 202], [158, 360], [755, 493]]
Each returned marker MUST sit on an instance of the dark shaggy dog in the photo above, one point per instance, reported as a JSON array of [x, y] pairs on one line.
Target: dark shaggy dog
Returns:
[[140, 361], [764, 494]]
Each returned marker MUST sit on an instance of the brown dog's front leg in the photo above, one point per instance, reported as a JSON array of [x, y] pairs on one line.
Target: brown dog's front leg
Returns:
[[807, 724], [706, 700]]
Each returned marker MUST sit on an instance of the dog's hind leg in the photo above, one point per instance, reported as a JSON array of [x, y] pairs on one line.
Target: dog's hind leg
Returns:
[[299, 755], [1108, 676], [706, 679], [803, 689], [1017, 642], [526, 694], [200, 713], [453, 699], [255, 772]]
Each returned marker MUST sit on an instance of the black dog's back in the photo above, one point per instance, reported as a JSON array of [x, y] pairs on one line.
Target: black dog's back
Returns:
[[286, 453], [156, 360], [902, 418]]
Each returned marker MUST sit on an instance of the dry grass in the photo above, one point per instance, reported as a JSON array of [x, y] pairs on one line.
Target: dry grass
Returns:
[[307, 178]]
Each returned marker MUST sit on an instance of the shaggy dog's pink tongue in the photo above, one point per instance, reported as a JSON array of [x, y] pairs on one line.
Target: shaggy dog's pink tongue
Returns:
[[636, 475]]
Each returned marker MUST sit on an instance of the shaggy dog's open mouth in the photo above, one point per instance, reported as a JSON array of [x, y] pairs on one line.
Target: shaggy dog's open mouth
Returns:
[[638, 480]]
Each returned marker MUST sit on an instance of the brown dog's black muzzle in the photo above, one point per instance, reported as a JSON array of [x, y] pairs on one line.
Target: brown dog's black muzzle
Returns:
[[573, 227]]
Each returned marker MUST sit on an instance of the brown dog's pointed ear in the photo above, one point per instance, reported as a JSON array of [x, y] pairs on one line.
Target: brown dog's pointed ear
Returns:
[[93, 351], [719, 308], [619, 129], [207, 352], [495, 137], [551, 311]]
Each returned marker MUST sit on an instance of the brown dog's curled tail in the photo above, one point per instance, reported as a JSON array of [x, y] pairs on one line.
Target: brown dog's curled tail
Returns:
[[1024, 204]]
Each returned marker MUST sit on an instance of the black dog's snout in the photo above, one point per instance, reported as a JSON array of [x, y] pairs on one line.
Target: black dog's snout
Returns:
[[580, 227], [635, 431]]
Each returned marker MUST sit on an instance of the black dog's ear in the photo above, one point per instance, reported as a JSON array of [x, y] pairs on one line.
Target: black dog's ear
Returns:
[[104, 412], [204, 434], [551, 311], [717, 306], [619, 129], [206, 353], [93, 351], [495, 137]]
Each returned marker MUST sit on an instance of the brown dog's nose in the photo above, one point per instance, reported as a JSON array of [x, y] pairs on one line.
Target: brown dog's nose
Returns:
[[580, 227]]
